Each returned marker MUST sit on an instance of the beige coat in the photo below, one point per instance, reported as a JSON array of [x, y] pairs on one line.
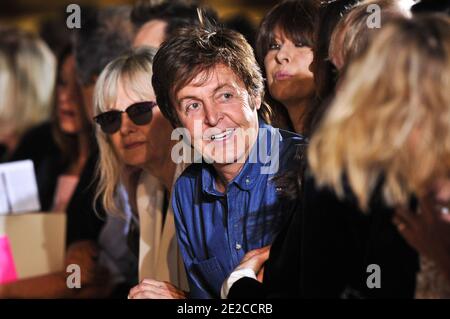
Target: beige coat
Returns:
[[159, 256]]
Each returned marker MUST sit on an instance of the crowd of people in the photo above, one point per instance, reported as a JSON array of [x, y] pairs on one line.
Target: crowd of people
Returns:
[[197, 159]]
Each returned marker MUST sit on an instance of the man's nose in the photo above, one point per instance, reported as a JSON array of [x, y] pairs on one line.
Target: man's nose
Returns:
[[212, 114]]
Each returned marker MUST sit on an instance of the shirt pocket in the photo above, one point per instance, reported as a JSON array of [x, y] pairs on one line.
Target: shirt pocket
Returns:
[[211, 273]]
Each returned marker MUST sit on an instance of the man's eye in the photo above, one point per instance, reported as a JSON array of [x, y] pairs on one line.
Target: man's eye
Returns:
[[224, 97], [300, 45], [192, 107]]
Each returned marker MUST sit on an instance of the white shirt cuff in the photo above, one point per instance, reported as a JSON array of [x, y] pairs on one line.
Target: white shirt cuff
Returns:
[[233, 277]]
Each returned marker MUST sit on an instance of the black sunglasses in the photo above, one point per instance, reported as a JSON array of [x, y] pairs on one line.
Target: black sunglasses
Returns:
[[139, 113]]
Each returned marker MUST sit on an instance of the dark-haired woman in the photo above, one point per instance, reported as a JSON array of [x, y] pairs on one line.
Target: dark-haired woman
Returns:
[[284, 48]]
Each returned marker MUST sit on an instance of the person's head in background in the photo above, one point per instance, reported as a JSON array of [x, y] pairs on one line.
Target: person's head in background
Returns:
[[394, 124], [354, 32], [156, 20], [27, 80], [132, 131], [284, 47], [70, 122], [105, 35], [53, 30], [325, 73]]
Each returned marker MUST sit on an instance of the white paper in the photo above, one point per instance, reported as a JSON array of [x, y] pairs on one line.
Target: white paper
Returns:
[[4, 207], [21, 187]]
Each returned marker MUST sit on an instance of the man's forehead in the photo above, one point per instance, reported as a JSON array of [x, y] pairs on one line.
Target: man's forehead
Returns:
[[217, 76]]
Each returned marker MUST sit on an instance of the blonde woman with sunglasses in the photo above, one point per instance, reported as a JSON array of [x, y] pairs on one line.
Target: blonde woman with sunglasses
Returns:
[[135, 155]]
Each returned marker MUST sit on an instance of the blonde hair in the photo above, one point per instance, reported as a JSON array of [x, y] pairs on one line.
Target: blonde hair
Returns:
[[133, 71], [391, 116], [27, 80]]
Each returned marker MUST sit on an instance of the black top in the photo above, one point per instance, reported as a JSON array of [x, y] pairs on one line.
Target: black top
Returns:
[[325, 248], [3, 153], [39, 145]]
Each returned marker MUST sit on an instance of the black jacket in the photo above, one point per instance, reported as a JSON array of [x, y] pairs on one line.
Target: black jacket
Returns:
[[325, 248]]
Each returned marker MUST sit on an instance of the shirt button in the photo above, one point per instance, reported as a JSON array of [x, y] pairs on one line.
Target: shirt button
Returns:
[[238, 246], [247, 180]]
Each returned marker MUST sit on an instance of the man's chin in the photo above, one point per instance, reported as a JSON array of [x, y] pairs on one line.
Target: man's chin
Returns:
[[224, 160]]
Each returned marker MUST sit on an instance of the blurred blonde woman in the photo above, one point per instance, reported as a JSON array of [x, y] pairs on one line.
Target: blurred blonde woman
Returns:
[[135, 155], [27, 80], [390, 122]]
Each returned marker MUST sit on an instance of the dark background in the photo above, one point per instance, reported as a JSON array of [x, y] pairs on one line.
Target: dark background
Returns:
[[30, 14]]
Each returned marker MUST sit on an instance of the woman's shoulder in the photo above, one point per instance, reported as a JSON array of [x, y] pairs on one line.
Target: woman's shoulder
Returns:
[[41, 132]]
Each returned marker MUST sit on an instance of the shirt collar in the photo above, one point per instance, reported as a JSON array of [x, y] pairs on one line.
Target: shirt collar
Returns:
[[208, 183]]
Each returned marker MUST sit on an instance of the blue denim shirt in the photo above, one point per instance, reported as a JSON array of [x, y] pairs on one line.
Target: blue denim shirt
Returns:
[[215, 230]]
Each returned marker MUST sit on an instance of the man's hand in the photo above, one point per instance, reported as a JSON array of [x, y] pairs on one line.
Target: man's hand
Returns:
[[153, 289], [255, 260]]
